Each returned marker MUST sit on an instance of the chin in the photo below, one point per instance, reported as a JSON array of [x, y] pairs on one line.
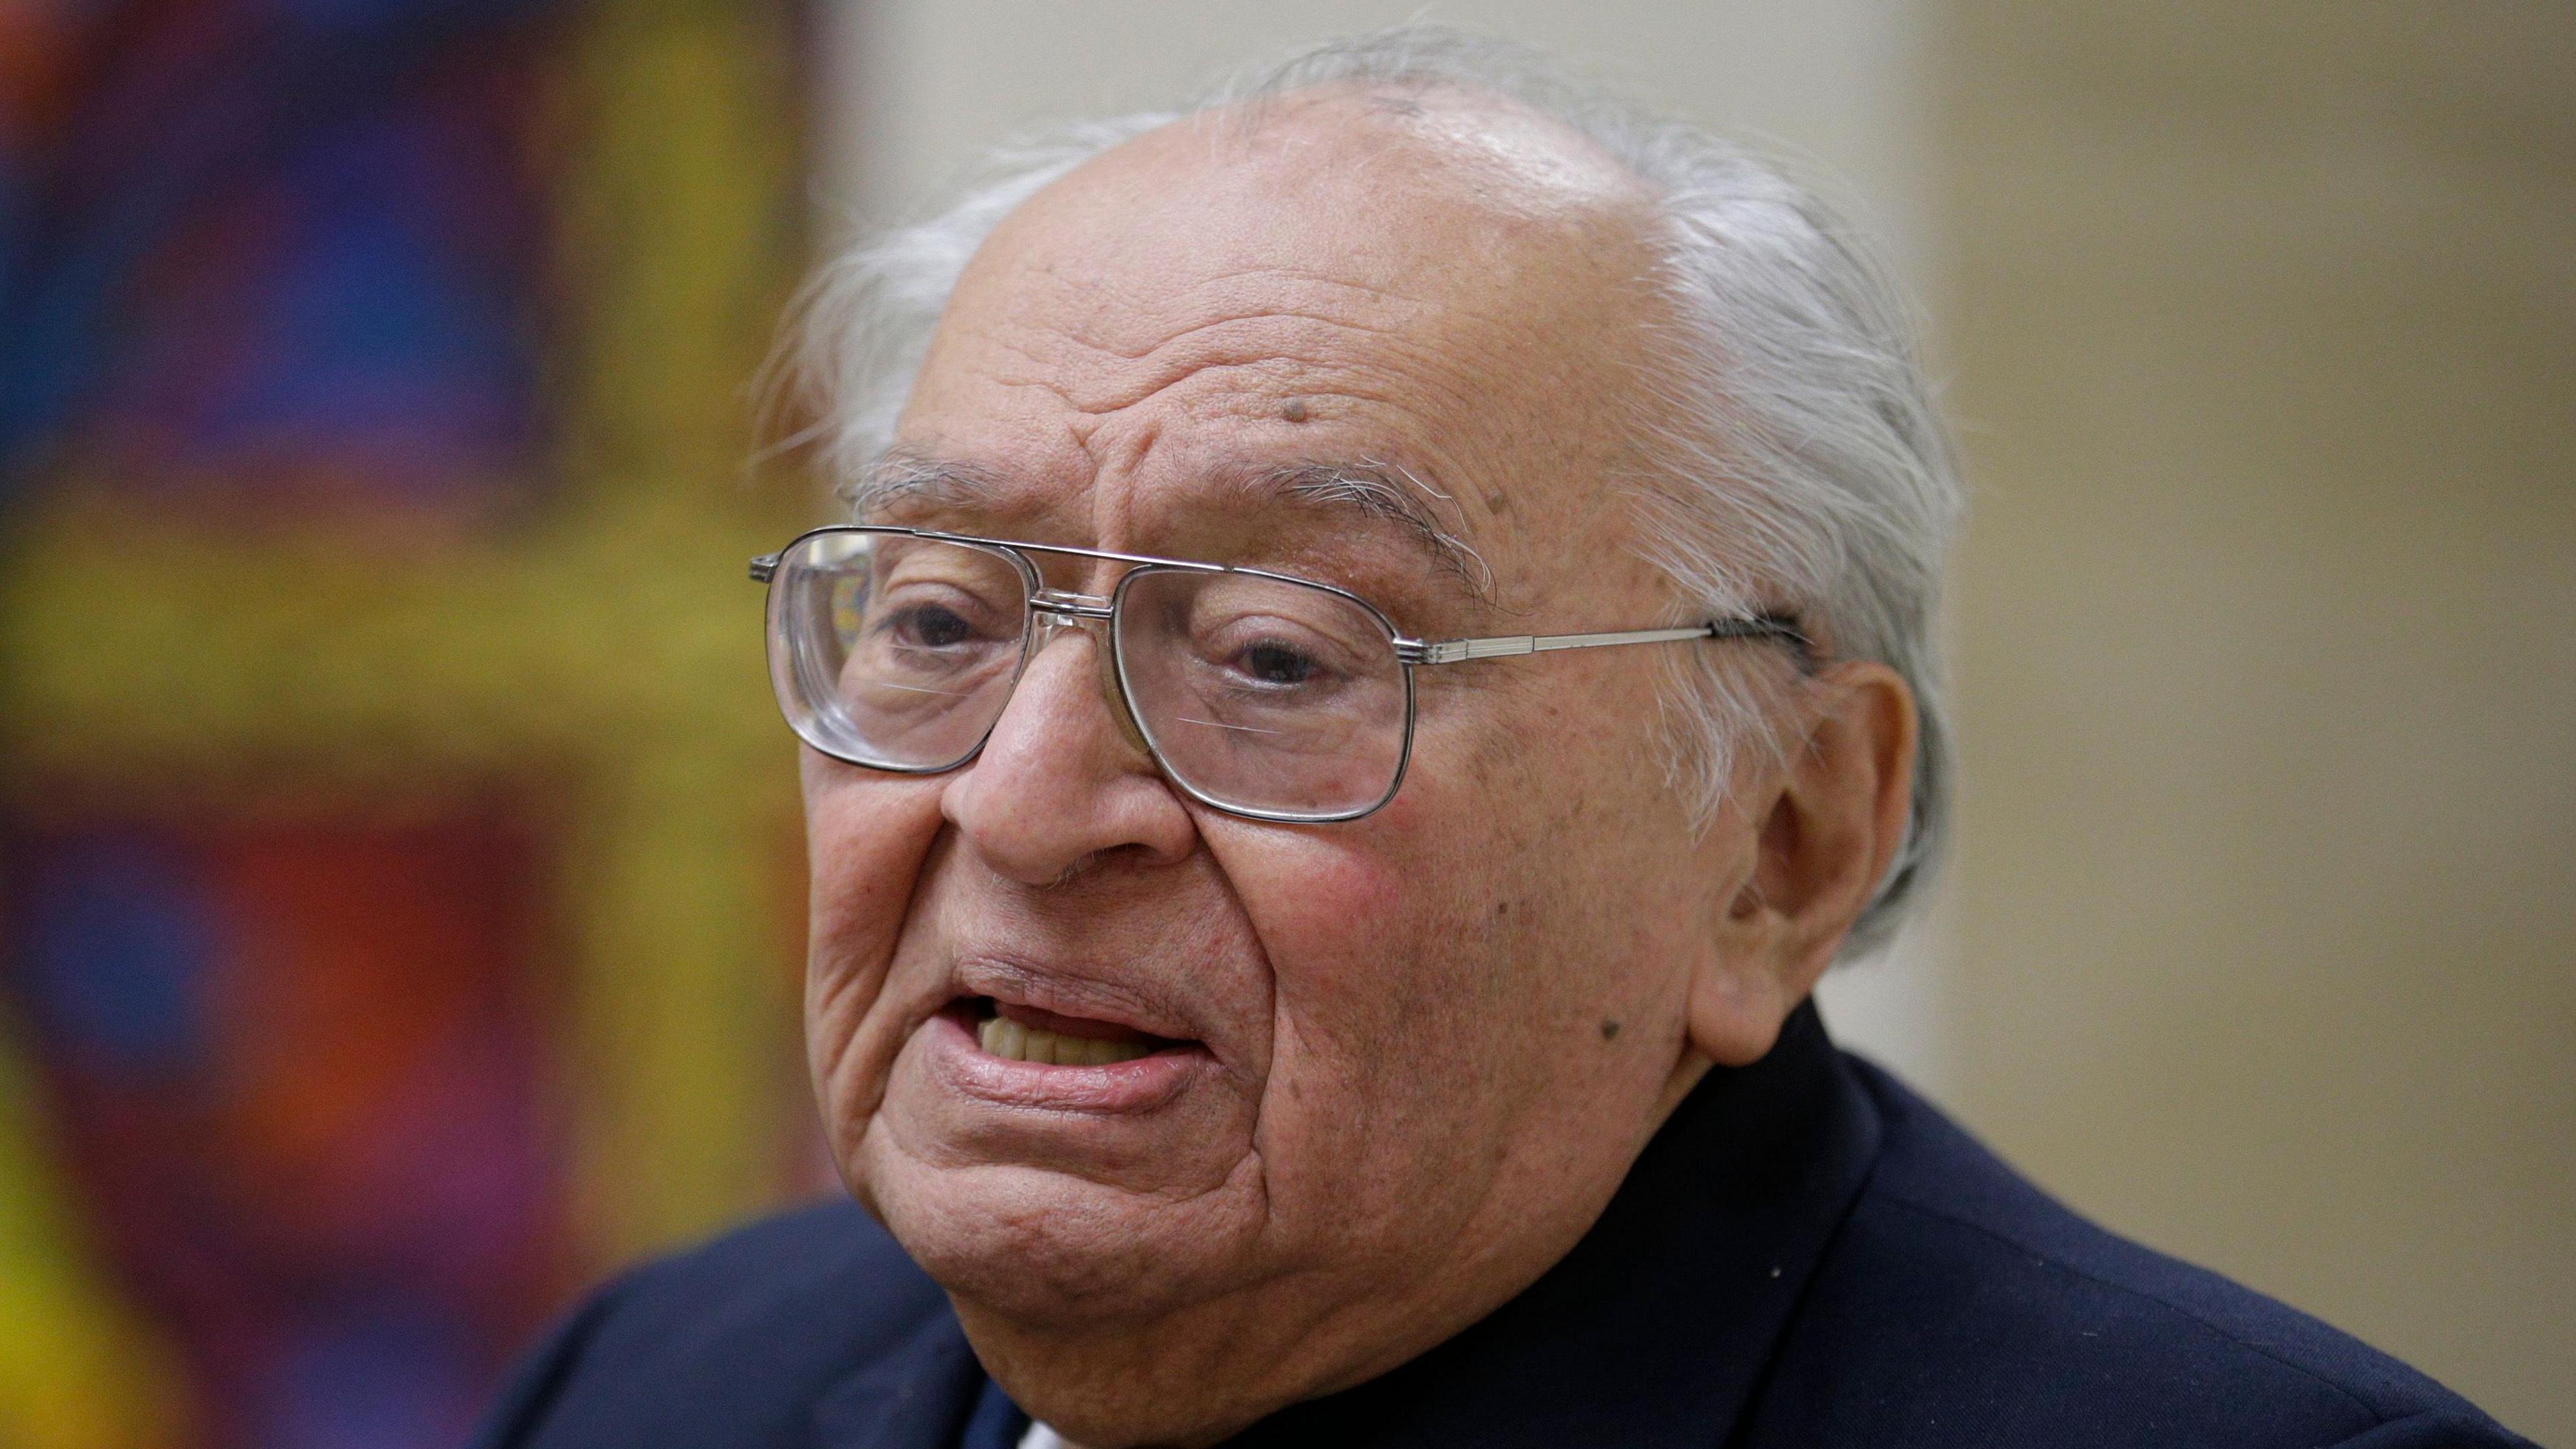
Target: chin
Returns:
[[1045, 1248]]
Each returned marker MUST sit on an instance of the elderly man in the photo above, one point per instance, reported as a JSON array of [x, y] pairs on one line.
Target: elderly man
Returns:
[[1384, 649]]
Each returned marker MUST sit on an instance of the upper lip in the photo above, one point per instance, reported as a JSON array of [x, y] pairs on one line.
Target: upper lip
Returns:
[[1073, 991]]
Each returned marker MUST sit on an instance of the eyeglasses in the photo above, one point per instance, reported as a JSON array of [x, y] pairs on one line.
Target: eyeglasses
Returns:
[[1258, 694]]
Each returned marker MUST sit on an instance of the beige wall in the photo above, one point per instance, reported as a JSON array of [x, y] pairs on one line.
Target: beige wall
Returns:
[[922, 85], [2263, 324]]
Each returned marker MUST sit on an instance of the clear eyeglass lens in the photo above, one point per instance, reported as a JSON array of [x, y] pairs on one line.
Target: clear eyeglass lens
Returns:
[[894, 651], [1263, 694]]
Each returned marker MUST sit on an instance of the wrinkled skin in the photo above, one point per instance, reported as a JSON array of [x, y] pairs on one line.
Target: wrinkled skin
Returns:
[[1430, 1042]]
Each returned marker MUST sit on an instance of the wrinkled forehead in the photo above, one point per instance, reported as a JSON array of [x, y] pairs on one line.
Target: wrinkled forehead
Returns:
[[1445, 287]]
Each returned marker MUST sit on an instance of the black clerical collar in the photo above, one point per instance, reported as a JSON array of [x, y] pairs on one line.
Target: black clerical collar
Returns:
[[1654, 1330]]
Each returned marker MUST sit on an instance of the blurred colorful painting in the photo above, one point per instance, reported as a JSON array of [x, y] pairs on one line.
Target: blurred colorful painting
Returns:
[[355, 981], [293, 1074]]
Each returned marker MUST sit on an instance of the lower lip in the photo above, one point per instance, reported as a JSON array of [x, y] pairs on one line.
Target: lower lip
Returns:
[[1117, 1088]]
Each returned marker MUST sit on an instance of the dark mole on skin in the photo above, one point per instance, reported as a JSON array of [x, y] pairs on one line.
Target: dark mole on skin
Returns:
[[1499, 505], [1609, 1030], [1294, 410]]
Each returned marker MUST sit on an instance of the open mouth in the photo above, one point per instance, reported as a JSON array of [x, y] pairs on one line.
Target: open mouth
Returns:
[[1026, 1034]]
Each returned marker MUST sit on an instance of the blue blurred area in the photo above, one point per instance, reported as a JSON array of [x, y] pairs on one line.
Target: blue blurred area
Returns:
[[236, 238], [118, 933], [378, 1373]]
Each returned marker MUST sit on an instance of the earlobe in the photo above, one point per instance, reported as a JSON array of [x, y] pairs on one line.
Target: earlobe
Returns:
[[1735, 1009]]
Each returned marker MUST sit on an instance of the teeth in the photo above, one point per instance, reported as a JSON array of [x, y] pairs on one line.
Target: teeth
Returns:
[[1004, 1037]]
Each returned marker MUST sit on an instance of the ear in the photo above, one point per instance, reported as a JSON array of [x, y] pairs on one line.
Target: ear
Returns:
[[1820, 831]]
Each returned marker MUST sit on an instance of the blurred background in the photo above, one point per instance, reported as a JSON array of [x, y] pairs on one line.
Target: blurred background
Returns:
[[400, 879]]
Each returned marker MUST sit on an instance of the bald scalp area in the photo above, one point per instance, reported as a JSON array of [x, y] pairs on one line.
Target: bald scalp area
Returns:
[[1438, 283]]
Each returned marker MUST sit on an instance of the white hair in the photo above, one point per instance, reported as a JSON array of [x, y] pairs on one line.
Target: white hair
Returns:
[[1808, 466]]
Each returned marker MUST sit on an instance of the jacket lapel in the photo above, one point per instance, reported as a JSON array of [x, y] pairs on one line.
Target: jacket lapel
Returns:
[[916, 1396]]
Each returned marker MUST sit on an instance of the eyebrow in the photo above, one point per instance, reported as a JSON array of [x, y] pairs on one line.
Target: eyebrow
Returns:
[[1383, 492], [899, 479]]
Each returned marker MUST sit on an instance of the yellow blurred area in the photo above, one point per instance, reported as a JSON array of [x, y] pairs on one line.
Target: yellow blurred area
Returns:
[[77, 1370]]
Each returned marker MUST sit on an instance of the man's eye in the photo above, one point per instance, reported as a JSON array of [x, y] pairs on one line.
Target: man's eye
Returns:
[[1272, 662], [929, 626]]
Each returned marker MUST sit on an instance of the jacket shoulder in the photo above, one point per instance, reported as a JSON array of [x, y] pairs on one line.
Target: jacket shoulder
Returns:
[[1961, 1305], [731, 1342]]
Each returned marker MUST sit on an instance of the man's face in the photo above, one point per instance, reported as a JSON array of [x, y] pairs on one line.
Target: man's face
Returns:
[[1416, 1051]]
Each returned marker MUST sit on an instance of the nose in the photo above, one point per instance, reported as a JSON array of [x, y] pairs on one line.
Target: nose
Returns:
[[1061, 782]]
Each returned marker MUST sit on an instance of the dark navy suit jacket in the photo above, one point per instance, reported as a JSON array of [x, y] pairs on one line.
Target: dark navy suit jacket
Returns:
[[1806, 1255]]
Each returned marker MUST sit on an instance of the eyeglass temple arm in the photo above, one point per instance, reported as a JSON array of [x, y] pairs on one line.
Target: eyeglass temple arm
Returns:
[[1455, 651]]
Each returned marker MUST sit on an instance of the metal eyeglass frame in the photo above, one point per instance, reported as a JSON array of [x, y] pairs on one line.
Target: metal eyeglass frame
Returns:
[[1063, 604]]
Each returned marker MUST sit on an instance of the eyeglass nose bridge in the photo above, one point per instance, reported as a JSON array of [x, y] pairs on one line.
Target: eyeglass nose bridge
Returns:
[[1051, 610], [1063, 604]]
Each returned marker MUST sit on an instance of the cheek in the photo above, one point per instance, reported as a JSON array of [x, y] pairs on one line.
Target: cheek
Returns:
[[1316, 904], [1384, 941], [867, 837], [1557, 863], [1337, 906]]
